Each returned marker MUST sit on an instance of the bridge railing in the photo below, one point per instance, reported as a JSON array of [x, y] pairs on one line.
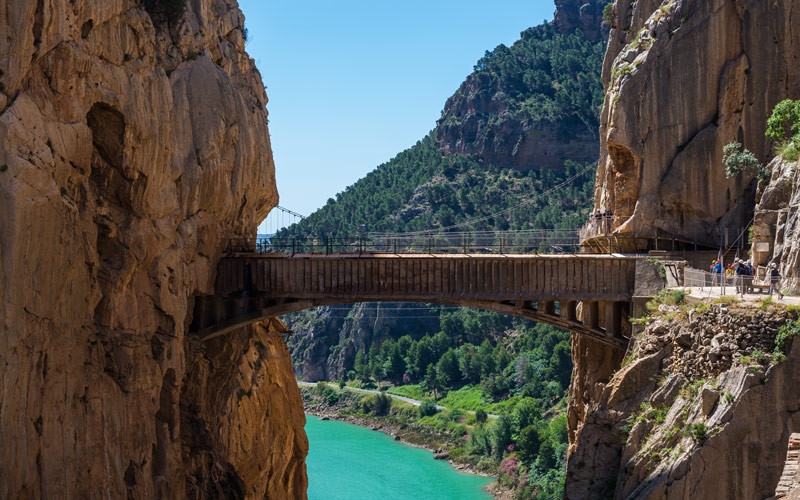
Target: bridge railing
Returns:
[[474, 242]]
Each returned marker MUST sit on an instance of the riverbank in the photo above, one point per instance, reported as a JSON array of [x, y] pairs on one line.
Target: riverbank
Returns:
[[400, 425]]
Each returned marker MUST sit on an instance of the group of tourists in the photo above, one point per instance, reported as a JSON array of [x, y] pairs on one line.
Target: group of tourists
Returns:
[[601, 221], [744, 272]]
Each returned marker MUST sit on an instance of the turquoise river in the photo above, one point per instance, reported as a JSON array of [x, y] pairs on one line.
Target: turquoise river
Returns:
[[348, 462]]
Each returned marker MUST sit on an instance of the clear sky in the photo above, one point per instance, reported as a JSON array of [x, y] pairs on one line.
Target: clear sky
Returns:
[[354, 82]]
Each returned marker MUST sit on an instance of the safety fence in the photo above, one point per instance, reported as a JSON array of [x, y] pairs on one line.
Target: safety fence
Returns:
[[727, 283], [536, 241]]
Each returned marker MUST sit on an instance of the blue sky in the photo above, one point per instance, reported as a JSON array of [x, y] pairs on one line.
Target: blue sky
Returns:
[[352, 83]]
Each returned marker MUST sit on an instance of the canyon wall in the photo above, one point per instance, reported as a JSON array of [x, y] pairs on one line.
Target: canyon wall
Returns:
[[776, 228], [684, 78], [702, 409], [133, 141]]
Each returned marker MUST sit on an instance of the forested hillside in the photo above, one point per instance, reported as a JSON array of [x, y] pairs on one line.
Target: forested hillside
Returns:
[[521, 124], [422, 189]]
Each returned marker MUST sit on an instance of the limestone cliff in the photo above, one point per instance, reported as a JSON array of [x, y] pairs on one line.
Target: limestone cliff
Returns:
[[683, 78], [133, 141], [776, 228], [703, 409]]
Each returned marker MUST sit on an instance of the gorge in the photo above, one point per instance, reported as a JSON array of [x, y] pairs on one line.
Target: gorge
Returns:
[[134, 145]]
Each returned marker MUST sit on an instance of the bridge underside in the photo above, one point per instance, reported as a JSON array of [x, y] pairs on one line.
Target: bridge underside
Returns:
[[605, 322]]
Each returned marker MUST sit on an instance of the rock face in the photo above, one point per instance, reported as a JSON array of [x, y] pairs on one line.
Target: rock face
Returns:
[[699, 412], [776, 229], [133, 140], [683, 78], [584, 15], [328, 338], [481, 119]]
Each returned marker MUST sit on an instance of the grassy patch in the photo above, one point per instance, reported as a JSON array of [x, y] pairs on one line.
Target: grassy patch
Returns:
[[727, 300], [467, 398], [667, 297], [765, 303], [412, 391], [789, 150], [621, 70]]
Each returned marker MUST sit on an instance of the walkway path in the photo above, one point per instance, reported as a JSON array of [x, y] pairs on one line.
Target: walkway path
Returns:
[[415, 402], [714, 292]]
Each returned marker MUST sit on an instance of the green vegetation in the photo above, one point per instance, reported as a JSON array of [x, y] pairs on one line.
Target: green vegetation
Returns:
[[427, 408], [409, 391], [784, 340], [667, 297], [698, 432], [738, 161], [620, 70], [3, 167], [785, 114], [522, 376], [608, 12], [421, 189], [546, 76]]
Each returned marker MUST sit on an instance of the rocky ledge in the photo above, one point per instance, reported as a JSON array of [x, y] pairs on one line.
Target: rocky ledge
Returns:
[[702, 408]]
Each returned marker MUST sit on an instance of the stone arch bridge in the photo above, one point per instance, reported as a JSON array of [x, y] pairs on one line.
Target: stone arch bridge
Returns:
[[587, 294]]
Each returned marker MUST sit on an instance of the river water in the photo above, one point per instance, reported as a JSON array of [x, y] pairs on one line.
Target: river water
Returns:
[[349, 462]]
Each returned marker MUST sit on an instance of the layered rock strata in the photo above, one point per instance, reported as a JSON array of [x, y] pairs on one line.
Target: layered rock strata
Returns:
[[133, 141], [684, 78], [703, 410]]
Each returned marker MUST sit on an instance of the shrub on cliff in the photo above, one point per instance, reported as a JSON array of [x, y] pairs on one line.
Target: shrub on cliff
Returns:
[[738, 160], [783, 340], [786, 114]]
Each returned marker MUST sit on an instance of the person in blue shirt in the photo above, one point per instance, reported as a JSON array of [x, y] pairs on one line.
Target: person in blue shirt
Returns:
[[716, 272]]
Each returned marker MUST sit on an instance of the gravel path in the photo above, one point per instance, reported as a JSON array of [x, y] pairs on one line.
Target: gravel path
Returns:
[[395, 396]]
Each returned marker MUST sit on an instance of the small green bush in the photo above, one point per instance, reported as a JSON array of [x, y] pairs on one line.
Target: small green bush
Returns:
[[481, 416], [785, 113], [783, 340], [698, 432], [3, 167], [738, 160], [379, 404], [427, 408]]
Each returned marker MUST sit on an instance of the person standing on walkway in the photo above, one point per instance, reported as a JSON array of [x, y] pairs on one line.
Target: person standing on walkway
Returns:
[[741, 275], [775, 281], [716, 272], [609, 216]]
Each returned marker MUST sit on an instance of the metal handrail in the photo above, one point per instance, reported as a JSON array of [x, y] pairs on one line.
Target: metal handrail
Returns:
[[481, 242]]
